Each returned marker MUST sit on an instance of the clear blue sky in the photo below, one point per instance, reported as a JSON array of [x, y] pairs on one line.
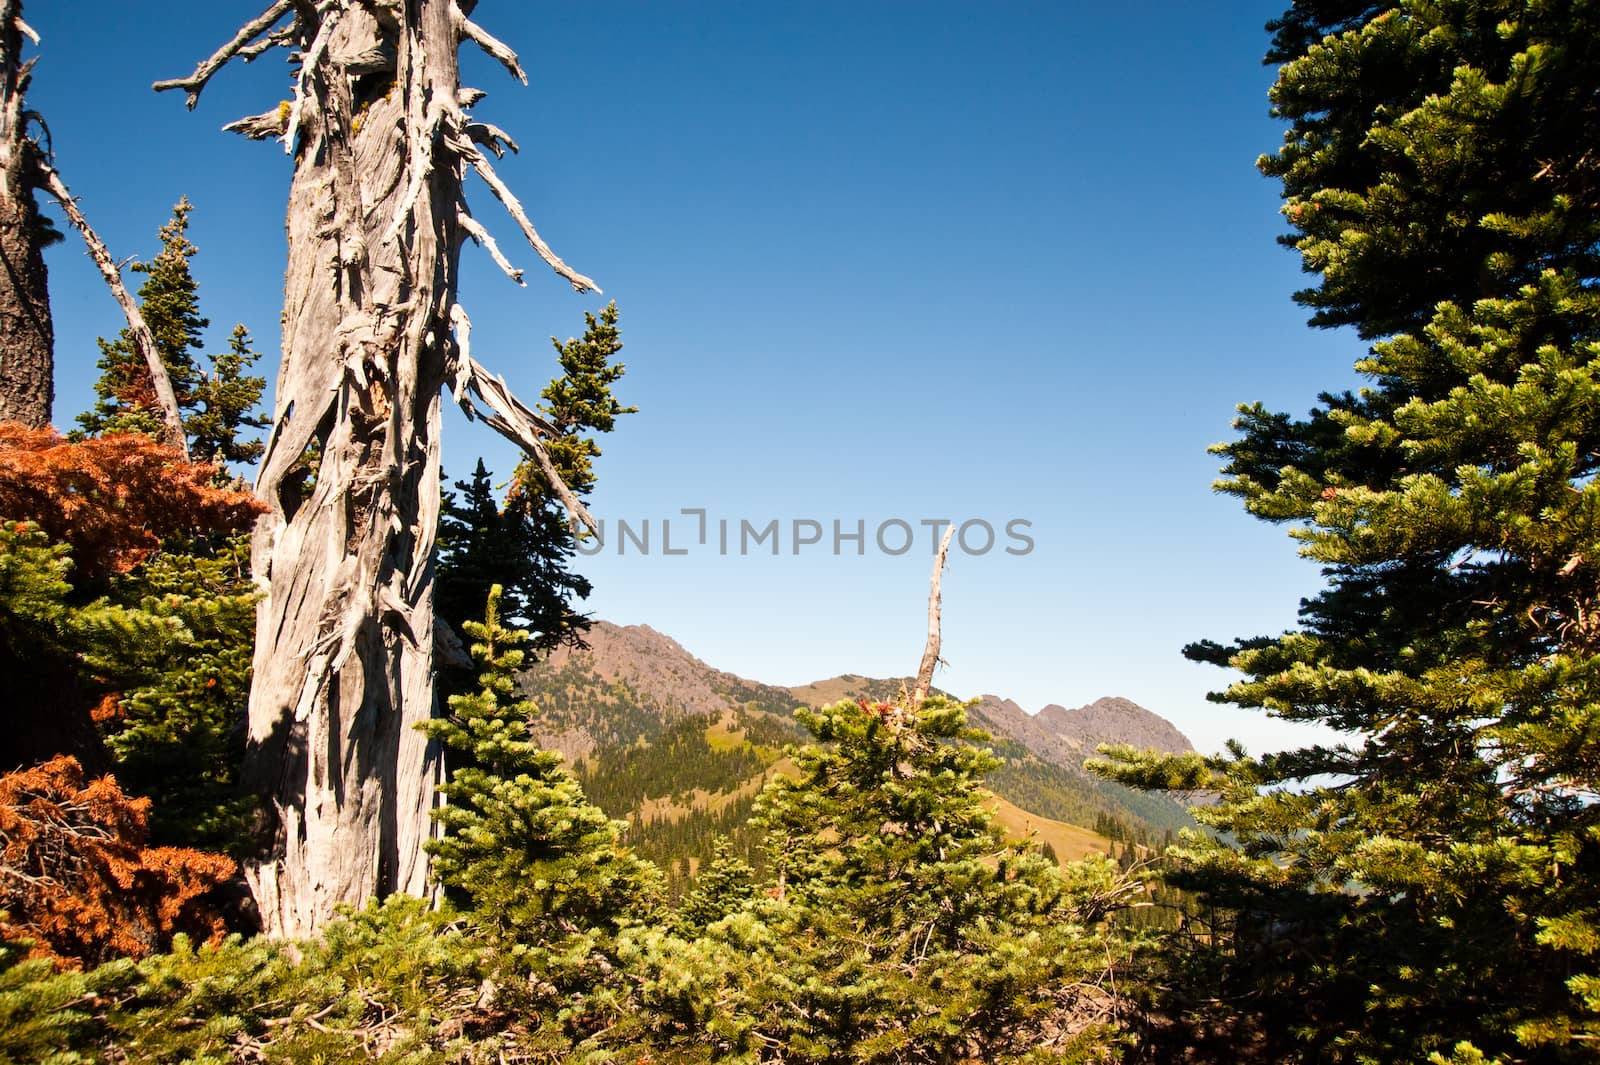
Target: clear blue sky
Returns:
[[874, 261]]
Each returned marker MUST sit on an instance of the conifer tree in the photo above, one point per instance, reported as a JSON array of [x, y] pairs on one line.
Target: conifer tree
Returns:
[[114, 499], [78, 879], [80, 620], [169, 301], [527, 545], [912, 927], [898, 926], [1426, 886], [521, 546], [523, 849], [224, 403], [725, 884], [580, 402], [218, 403], [177, 727]]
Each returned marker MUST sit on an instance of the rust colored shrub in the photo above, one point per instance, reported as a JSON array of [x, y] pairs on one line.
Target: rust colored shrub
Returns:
[[113, 498], [77, 879]]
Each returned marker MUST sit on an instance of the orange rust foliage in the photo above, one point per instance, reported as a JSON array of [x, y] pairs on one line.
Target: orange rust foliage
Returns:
[[77, 879], [108, 711], [113, 498], [133, 386]]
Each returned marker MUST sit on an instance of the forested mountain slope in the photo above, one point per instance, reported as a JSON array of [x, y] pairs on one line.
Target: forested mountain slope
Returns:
[[680, 749]]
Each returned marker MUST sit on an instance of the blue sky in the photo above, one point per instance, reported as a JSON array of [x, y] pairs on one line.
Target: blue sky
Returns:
[[875, 262]]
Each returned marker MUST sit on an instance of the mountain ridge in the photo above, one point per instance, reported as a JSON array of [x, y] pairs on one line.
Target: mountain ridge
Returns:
[[678, 750], [667, 677]]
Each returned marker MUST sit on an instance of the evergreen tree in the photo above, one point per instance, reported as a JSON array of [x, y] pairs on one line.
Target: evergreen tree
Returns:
[[113, 584], [527, 545], [521, 547], [1428, 886], [217, 403], [77, 878], [169, 301], [723, 886], [47, 1015], [177, 731], [580, 400], [224, 403], [397, 982], [523, 849], [899, 926]]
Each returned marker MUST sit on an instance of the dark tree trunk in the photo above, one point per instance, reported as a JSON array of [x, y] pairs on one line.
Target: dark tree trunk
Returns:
[[27, 338]]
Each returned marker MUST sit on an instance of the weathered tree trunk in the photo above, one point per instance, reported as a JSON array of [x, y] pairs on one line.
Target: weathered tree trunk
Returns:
[[344, 647], [27, 335], [372, 332]]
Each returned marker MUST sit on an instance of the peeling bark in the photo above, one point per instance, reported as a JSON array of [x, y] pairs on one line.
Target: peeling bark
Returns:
[[345, 639]]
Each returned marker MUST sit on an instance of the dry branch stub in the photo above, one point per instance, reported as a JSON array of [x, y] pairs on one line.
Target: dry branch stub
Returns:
[[930, 651]]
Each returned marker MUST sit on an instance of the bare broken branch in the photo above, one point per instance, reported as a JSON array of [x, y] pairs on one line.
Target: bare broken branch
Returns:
[[483, 238], [491, 137], [461, 369], [930, 653], [140, 331], [242, 40], [514, 421], [490, 44], [514, 207], [265, 126], [281, 38], [487, 242], [27, 30]]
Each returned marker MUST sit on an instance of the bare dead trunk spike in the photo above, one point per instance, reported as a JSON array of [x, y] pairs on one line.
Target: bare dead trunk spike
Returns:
[[930, 651]]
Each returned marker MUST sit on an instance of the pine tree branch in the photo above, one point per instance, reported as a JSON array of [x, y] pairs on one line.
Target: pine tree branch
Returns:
[[930, 654], [242, 44], [137, 327]]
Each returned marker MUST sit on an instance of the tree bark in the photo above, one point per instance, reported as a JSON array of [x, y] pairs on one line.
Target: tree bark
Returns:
[[27, 334], [344, 658], [344, 644]]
